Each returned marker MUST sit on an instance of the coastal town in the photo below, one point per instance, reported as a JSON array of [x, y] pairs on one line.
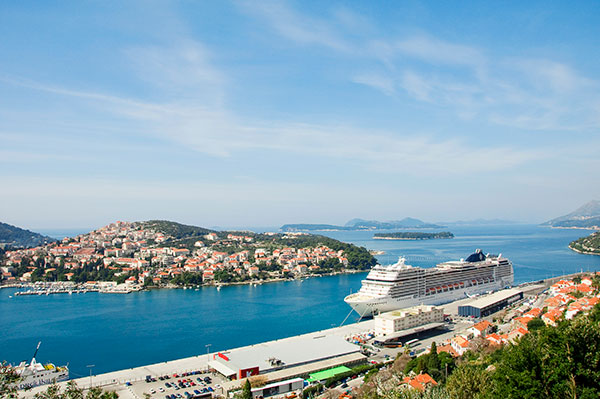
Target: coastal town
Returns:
[[126, 256]]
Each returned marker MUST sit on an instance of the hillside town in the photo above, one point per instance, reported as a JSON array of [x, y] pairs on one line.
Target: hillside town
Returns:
[[137, 255], [469, 337]]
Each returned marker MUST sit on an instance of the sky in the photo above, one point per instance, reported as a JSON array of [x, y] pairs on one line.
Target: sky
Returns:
[[245, 113]]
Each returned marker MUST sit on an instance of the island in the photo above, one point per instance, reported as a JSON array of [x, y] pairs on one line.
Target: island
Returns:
[[128, 256], [412, 235], [589, 245], [362, 224]]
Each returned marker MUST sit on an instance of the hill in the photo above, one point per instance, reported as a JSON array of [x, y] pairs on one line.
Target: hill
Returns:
[[310, 227], [174, 229], [413, 235], [362, 224], [586, 216], [587, 245], [406, 223], [16, 237]]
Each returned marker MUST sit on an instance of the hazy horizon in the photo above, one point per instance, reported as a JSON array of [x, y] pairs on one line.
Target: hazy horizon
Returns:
[[260, 114]]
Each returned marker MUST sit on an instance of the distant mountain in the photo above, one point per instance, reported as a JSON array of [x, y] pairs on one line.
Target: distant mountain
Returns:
[[406, 223], [586, 216], [15, 237], [311, 227], [362, 224]]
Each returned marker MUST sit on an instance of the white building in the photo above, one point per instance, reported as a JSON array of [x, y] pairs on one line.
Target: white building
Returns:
[[404, 319]]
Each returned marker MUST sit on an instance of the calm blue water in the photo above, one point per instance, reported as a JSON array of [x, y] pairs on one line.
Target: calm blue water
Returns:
[[121, 331], [536, 252]]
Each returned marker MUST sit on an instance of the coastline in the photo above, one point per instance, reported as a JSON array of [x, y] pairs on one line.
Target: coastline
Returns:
[[214, 284], [410, 238], [583, 252]]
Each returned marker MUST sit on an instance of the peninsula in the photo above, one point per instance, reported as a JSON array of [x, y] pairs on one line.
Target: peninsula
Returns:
[[404, 235], [589, 245], [159, 253]]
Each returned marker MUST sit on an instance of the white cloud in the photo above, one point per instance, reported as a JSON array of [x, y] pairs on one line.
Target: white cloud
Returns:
[[530, 94], [376, 81], [297, 27]]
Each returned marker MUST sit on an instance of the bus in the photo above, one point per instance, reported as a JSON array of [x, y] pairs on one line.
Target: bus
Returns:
[[411, 342]]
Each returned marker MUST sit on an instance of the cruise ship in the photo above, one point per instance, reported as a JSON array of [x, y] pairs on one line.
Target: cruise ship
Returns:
[[400, 285], [34, 373]]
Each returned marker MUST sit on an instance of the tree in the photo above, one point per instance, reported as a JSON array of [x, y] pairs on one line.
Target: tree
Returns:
[[8, 381], [247, 390], [400, 363], [433, 361], [72, 391], [535, 324], [468, 382]]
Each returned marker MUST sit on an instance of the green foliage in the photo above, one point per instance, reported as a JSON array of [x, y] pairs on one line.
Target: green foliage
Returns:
[[433, 361], [187, 278], [8, 380], [312, 391], [246, 390], [468, 382], [435, 364], [223, 276], [358, 257], [331, 263], [17, 237], [535, 324], [556, 362], [72, 391], [589, 244], [174, 229]]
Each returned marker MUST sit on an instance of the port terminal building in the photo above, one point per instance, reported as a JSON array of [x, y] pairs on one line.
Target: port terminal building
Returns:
[[391, 323], [293, 354], [485, 306]]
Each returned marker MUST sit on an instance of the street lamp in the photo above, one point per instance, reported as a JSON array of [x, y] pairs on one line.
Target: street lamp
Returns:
[[90, 366], [207, 357]]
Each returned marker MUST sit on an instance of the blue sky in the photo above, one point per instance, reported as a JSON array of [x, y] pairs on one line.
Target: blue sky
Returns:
[[263, 113]]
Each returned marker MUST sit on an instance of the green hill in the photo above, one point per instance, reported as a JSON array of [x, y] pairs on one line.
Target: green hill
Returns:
[[413, 235], [16, 237], [587, 245], [174, 229]]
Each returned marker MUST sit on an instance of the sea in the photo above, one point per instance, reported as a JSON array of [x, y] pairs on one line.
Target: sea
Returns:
[[107, 332]]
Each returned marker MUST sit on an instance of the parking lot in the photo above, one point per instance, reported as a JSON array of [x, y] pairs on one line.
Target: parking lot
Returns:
[[195, 384]]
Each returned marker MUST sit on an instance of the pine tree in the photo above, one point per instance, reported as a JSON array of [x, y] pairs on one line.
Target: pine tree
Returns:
[[247, 391], [433, 360]]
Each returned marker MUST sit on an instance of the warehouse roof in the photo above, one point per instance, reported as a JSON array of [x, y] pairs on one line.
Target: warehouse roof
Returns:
[[283, 353], [494, 298]]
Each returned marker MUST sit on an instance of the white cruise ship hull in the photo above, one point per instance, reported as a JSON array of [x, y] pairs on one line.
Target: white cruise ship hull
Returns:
[[368, 305]]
